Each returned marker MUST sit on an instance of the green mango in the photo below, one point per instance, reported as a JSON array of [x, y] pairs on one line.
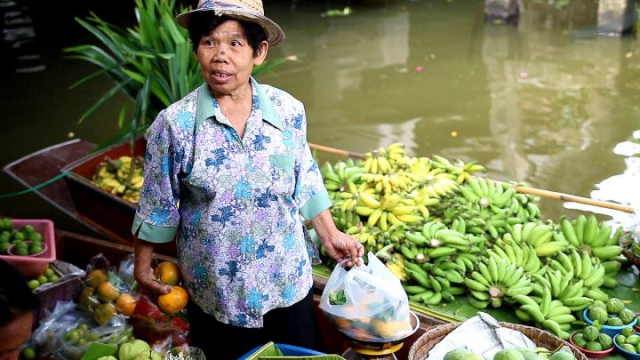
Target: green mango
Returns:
[[508, 354], [462, 354], [633, 339]]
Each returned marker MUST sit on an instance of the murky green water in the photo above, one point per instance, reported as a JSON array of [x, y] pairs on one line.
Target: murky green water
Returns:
[[547, 102]]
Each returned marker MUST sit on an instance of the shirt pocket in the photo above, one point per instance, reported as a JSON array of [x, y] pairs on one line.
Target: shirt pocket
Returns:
[[282, 162]]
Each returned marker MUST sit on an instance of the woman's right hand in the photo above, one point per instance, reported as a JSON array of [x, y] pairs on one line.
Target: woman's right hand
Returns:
[[143, 272]]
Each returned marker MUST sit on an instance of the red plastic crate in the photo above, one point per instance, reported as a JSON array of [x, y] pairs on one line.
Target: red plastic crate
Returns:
[[34, 266]]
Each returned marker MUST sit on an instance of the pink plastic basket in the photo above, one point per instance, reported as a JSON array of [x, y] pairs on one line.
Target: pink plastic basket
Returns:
[[34, 266]]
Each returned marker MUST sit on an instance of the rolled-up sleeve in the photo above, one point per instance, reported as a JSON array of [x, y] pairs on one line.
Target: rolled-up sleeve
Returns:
[[311, 195]]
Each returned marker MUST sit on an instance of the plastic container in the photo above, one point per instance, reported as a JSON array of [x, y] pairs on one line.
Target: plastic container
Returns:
[[12, 249], [288, 350], [591, 354], [625, 353], [608, 329], [29, 266]]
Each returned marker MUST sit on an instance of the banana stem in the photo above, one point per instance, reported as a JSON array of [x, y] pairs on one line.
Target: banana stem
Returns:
[[518, 188]]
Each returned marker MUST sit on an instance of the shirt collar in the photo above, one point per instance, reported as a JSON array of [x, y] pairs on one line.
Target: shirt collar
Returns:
[[204, 110]]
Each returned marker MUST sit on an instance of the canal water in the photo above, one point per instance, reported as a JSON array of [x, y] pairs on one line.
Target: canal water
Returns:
[[547, 102]]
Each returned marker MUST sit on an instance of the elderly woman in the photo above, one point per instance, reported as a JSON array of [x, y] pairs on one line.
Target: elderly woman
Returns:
[[230, 175]]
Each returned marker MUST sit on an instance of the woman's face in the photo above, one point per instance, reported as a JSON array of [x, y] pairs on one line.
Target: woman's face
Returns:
[[14, 335], [227, 59]]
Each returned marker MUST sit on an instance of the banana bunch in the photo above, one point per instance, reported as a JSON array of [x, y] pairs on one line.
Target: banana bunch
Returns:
[[376, 162], [519, 254], [485, 193], [587, 234], [395, 264], [389, 209], [550, 314], [337, 177], [433, 283], [464, 171], [495, 280], [345, 219], [542, 237], [427, 254], [563, 287], [388, 183], [123, 177], [581, 265], [436, 234]]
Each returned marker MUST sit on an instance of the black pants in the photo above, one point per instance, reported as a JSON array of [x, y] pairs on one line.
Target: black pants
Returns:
[[295, 325]]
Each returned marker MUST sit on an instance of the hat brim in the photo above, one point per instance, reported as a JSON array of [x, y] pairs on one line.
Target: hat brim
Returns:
[[275, 34]]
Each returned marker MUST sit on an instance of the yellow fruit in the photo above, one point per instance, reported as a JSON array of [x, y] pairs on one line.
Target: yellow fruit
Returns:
[[168, 273], [107, 292], [126, 304], [96, 277], [104, 313], [174, 301], [390, 329]]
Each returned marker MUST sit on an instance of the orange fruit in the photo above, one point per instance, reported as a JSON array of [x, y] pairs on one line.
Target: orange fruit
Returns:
[[168, 273], [126, 304], [107, 292], [173, 301], [96, 277]]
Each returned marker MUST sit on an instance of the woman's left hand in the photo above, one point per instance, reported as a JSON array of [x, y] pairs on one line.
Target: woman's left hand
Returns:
[[340, 246]]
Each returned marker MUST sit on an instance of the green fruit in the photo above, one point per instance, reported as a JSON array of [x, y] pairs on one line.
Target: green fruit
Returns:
[[615, 321], [461, 354], [627, 331], [21, 251], [593, 346], [614, 305], [4, 246], [562, 355], [48, 272], [633, 339], [35, 236], [591, 333], [529, 354], [29, 353], [33, 284], [508, 354], [630, 348], [621, 339], [42, 279], [605, 340], [578, 339], [627, 316], [598, 314], [28, 228]]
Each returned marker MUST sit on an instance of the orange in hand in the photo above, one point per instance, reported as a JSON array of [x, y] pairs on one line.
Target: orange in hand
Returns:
[[173, 301], [168, 273]]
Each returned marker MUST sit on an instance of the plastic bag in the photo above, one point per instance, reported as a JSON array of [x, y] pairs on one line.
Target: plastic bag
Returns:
[[367, 302]]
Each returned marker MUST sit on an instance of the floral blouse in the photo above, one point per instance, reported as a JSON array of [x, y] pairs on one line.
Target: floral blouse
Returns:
[[234, 205]]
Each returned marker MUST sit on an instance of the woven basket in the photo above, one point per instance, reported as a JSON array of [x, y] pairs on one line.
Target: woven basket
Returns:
[[631, 256], [421, 347]]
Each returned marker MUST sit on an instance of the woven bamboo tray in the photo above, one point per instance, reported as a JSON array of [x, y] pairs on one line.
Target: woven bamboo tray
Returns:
[[421, 347]]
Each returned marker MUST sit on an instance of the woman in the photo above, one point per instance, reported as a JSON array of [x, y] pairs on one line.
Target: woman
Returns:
[[17, 303], [229, 173]]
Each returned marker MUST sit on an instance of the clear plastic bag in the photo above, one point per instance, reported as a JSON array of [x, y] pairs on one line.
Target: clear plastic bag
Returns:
[[367, 302]]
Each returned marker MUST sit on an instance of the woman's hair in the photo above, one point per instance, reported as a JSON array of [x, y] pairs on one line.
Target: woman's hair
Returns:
[[16, 297], [203, 22]]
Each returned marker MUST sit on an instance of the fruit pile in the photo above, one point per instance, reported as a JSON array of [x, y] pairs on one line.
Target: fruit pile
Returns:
[[447, 231], [628, 340], [50, 275], [123, 177], [25, 241], [103, 299], [592, 339], [610, 314], [381, 327], [539, 353]]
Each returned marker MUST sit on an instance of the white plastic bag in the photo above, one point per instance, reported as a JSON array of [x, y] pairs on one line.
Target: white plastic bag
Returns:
[[367, 302]]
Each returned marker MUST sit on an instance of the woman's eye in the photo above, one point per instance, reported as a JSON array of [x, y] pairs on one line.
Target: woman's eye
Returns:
[[235, 43]]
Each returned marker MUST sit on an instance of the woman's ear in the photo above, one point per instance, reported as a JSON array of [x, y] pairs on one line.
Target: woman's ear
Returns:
[[261, 53]]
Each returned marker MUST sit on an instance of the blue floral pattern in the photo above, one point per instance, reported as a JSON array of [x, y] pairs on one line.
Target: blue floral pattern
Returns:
[[236, 211]]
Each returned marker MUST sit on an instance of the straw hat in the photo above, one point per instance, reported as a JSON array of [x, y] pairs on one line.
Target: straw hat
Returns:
[[247, 10]]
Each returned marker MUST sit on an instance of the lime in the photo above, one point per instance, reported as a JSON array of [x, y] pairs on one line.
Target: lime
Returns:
[[42, 279], [4, 237], [20, 244], [72, 337], [21, 251], [53, 278], [29, 353], [48, 272], [33, 284], [28, 228], [4, 246], [18, 236], [8, 224], [35, 236], [35, 249]]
